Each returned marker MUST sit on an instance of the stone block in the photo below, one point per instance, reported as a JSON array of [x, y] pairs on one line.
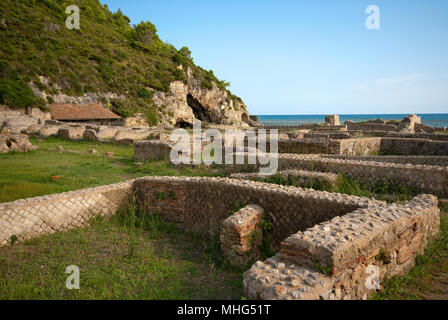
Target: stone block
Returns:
[[332, 120], [241, 234]]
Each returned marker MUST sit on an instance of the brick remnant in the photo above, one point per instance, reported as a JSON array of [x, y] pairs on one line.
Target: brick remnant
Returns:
[[241, 234]]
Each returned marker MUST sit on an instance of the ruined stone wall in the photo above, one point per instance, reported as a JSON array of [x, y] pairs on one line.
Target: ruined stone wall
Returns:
[[29, 218], [304, 146], [327, 144], [152, 150], [202, 204], [406, 146], [430, 136], [360, 146], [335, 259], [423, 160], [327, 135], [424, 178], [327, 241], [241, 235], [371, 126], [300, 178]]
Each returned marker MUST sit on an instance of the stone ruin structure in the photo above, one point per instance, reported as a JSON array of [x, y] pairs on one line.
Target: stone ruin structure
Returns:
[[15, 142], [332, 120], [340, 258], [327, 243]]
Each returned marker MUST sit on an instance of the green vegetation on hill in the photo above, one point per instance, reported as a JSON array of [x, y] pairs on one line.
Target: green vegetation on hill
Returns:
[[106, 54]]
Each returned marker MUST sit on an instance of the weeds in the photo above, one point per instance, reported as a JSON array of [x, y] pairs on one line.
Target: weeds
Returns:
[[13, 239]]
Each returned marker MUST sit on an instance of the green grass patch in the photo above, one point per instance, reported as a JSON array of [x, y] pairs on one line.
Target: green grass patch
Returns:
[[52, 143], [24, 175], [133, 255]]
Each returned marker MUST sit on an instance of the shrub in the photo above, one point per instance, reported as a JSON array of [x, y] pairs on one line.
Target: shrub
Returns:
[[151, 116], [145, 93], [17, 94]]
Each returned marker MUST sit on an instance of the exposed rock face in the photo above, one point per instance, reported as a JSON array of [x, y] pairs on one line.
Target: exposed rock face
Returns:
[[61, 98], [137, 120], [182, 105], [15, 142], [187, 102]]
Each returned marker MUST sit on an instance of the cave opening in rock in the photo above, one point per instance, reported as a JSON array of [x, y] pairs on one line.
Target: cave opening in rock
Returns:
[[183, 124], [245, 118], [200, 112]]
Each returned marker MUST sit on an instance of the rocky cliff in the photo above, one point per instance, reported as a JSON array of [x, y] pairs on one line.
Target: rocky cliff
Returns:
[[187, 102]]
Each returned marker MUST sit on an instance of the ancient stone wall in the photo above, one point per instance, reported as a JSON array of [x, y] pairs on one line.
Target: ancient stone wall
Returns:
[[202, 204], [371, 126], [29, 218], [423, 178], [430, 136], [72, 133], [360, 146], [327, 241], [325, 145], [423, 160], [338, 259], [304, 146], [326, 135], [241, 235], [405, 146], [152, 150], [299, 178]]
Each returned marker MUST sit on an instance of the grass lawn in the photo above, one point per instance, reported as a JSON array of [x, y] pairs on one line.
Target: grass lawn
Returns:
[[24, 175], [51, 143], [126, 257]]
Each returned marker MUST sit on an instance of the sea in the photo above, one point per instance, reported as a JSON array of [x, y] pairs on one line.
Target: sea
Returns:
[[437, 120]]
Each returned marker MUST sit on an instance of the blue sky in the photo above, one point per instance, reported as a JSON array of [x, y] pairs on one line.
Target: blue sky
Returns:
[[313, 57]]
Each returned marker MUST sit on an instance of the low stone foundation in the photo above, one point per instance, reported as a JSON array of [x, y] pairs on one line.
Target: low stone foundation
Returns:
[[304, 146], [241, 235], [300, 178], [202, 204], [327, 144], [72, 133], [327, 241], [152, 150], [422, 160], [422, 178], [406, 146], [29, 218], [342, 258]]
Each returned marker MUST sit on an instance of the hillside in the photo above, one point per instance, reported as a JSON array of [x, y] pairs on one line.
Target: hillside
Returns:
[[123, 67]]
